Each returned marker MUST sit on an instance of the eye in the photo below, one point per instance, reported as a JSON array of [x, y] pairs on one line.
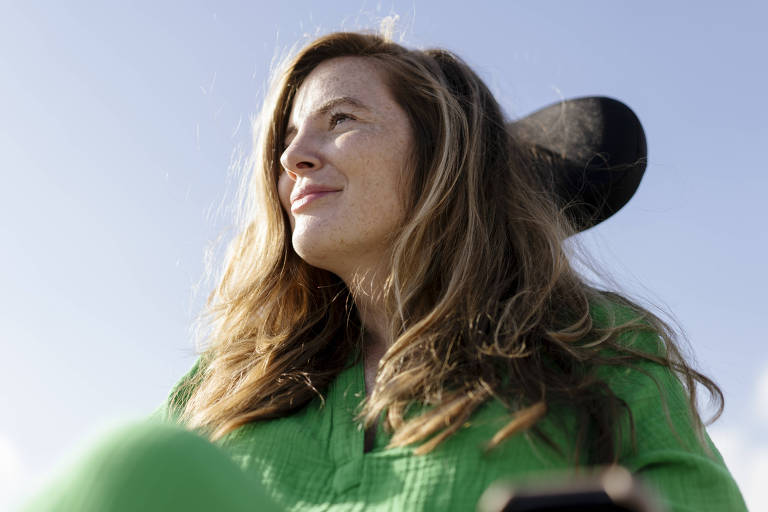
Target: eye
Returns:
[[338, 118]]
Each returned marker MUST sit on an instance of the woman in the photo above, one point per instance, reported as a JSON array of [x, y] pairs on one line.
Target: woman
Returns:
[[398, 325], [388, 238]]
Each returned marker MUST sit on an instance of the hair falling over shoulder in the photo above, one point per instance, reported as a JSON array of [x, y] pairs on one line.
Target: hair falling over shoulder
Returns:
[[483, 301]]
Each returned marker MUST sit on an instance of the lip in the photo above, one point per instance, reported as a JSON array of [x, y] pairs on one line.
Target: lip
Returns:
[[303, 196]]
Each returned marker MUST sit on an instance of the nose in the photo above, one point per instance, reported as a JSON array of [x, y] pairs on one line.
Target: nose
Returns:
[[300, 157]]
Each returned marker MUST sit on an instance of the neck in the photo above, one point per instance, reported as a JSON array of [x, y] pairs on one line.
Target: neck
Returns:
[[367, 295], [366, 292]]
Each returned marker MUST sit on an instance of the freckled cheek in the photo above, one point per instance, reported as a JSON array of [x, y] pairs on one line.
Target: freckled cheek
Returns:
[[365, 155]]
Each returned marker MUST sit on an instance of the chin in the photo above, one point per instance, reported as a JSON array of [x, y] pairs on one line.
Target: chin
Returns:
[[315, 249]]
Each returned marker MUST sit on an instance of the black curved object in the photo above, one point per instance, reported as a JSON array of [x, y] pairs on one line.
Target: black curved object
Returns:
[[590, 152]]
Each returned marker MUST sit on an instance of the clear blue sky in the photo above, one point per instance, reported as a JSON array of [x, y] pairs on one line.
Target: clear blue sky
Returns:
[[119, 125]]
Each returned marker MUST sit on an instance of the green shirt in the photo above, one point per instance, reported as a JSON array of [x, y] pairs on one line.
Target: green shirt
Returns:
[[314, 459]]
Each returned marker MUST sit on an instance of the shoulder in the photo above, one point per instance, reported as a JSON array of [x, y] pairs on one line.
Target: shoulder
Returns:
[[636, 329], [640, 362], [667, 445], [170, 410]]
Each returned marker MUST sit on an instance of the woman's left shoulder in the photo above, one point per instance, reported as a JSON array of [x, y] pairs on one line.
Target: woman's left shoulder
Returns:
[[639, 362], [667, 445]]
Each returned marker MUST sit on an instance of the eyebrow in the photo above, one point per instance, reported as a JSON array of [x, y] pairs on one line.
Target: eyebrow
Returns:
[[327, 107]]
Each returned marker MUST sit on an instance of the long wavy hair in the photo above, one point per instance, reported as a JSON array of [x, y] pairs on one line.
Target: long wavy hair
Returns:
[[483, 301]]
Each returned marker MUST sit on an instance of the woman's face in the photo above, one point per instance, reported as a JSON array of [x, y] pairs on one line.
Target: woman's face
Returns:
[[346, 148]]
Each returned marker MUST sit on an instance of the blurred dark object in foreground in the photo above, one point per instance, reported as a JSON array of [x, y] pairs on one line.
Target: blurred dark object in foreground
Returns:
[[611, 490]]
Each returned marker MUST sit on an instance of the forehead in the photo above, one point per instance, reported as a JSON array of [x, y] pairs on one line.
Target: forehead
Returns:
[[354, 77]]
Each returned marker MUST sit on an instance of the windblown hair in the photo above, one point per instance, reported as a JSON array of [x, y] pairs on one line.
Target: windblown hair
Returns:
[[483, 301]]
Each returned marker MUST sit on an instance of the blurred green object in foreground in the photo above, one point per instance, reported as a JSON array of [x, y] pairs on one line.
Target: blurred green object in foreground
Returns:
[[152, 467]]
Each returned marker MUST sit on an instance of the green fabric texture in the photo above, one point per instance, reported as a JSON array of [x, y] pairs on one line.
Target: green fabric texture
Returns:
[[314, 460]]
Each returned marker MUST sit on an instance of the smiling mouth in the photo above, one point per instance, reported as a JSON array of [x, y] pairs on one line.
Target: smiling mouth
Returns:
[[301, 202]]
